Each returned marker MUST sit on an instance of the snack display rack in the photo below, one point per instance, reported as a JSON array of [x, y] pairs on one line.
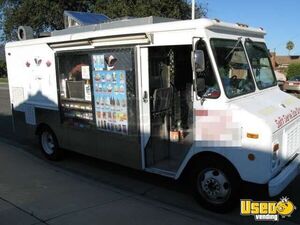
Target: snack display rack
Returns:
[[77, 109]]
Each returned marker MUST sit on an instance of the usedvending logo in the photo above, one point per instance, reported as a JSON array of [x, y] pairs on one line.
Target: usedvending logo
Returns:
[[267, 210]]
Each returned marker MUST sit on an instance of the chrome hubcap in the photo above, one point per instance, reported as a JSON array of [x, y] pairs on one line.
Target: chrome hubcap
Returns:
[[48, 143], [214, 186]]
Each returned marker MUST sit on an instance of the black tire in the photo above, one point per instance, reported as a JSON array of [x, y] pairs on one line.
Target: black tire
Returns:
[[49, 144], [216, 184]]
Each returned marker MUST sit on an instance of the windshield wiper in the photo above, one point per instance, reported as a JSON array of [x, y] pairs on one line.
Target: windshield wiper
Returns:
[[235, 46]]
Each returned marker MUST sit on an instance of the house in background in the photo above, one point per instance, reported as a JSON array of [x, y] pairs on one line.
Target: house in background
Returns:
[[281, 63]]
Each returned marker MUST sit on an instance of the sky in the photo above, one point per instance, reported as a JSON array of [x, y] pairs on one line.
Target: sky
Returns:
[[279, 18]]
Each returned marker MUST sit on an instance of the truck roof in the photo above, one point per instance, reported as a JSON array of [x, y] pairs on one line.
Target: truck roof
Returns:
[[98, 32]]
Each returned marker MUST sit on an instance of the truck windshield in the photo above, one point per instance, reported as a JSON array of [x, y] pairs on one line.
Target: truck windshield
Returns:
[[233, 67], [261, 64]]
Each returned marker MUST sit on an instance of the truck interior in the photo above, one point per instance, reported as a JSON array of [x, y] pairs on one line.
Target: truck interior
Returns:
[[170, 86]]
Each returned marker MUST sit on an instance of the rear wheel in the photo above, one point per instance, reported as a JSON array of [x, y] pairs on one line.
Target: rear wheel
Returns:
[[49, 144], [216, 185]]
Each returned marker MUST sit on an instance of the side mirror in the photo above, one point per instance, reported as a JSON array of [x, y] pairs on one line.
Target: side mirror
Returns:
[[200, 84], [198, 61]]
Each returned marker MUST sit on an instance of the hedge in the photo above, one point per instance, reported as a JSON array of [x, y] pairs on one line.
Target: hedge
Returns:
[[3, 71], [293, 69]]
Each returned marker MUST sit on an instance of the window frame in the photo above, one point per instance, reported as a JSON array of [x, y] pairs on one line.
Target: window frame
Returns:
[[90, 53], [269, 60], [217, 67], [210, 57]]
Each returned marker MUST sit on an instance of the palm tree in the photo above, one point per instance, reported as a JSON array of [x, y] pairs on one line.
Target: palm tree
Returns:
[[290, 46]]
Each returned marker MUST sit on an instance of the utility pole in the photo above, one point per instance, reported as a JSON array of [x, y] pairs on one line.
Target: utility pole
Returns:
[[193, 9]]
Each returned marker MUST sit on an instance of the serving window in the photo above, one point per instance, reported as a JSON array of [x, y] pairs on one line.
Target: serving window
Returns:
[[75, 90], [97, 90]]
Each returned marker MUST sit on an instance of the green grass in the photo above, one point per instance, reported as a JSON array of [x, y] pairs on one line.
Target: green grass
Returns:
[[3, 80]]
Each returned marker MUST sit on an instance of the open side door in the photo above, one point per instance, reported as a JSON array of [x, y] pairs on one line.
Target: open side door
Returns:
[[145, 123]]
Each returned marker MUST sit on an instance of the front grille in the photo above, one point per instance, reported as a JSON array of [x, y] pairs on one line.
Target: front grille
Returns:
[[293, 139]]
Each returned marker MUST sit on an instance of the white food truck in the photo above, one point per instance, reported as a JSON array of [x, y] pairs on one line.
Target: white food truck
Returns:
[[196, 97]]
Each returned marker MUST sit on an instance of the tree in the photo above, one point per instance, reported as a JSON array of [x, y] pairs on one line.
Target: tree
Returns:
[[47, 15], [293, 69], [177, 9], [290, 46], [41, 15]]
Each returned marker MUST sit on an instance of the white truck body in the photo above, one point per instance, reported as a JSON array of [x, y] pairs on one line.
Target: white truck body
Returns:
[[243, 129]]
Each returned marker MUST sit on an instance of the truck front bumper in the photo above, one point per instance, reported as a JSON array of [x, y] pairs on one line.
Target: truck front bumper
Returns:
[[277, 184]]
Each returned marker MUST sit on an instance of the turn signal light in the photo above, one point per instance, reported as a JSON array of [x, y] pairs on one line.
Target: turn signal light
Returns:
[[276, 147], [252, 136]]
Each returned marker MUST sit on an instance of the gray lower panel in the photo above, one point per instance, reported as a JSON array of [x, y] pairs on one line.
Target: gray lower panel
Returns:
[[121, 149]]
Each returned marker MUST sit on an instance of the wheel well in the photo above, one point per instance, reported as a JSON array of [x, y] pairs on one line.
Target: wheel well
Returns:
[[41, 127], [203, 156]]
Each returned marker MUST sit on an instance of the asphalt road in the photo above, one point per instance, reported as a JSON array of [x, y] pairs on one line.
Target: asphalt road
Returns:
[[155, 190]]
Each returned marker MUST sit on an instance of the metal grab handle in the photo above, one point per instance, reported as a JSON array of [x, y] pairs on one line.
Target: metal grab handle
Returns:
[[145, 98]]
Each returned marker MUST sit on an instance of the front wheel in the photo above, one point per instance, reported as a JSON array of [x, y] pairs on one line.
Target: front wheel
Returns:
[[216, 185], [49, 144]]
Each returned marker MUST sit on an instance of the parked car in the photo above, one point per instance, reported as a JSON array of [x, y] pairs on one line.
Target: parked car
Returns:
[[281, 78], [292, 85]]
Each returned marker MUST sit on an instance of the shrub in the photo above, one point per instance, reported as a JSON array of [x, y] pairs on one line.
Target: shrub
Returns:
[[3, 70], [293, 69]]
